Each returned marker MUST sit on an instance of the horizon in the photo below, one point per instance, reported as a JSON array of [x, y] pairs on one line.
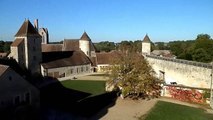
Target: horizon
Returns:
[[110, 20]]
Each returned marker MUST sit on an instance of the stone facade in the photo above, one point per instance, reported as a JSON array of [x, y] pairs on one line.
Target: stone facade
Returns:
[[68, 71], [16, 90], [26, 49], [182, 72]]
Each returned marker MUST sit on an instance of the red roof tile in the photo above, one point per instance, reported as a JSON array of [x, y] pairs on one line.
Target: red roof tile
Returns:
[[51, 47], [17, 42], [26, 29], [146, 39], [3, 68], [85, 37]]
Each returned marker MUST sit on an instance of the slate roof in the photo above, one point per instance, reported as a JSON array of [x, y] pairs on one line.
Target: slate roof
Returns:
[[146, 39], [27, 29], [85, 37], [17, 42], [64, 59], [51, 47], [3, 68]]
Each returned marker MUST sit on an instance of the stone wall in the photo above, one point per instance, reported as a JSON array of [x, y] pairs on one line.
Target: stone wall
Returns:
[[188, 73]]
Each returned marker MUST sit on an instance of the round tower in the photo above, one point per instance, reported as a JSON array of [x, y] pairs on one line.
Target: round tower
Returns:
[[84, 44], [146, 45]]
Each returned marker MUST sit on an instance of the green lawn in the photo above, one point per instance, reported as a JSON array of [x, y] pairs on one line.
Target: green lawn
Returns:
[[106, 75], [92, 87], [170, 111]]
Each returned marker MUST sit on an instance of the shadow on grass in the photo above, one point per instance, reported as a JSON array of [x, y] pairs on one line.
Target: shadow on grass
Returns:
[[72, 103]]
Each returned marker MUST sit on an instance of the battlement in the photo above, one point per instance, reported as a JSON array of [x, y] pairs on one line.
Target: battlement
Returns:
[[198, 64]]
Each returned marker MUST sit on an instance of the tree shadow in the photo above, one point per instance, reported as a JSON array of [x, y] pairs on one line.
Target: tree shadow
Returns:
[[58, 102]]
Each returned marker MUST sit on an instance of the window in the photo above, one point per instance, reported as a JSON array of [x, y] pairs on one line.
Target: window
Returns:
[[87, 53], [17, 100], [10, 78], [34, 40], [87, 68], [71, 71], [62, 75], [82, 69], [27, 97], [34, 57], [34, 49]]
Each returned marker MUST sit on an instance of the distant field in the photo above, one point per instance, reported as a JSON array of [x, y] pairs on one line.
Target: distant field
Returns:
[[171, 111], [92, 87]]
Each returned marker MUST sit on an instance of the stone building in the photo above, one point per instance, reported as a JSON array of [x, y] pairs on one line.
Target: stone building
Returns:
[[15, 90], [146, 45], [26, 48]]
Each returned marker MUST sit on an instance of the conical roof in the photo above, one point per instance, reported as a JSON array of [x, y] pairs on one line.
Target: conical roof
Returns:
[[85, 37], [26, 29], [146, 39]]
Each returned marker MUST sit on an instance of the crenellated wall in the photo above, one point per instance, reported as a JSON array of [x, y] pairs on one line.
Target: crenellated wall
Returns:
[[188, 73]]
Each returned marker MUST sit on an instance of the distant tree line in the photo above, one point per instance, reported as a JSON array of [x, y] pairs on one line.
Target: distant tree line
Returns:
[[200, 49], [107, 46], [5, 46]]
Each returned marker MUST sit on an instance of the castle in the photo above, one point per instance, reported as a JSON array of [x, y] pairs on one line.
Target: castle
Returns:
[[32, 51]]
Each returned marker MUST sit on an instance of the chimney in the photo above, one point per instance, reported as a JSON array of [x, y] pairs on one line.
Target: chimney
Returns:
[[36, 24]]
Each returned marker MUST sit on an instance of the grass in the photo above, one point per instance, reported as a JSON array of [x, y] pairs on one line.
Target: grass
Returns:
[[171, 111], [92, 87], [105, 75]]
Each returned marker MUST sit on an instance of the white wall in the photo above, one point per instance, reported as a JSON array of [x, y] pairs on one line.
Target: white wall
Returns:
[[185, 74], [67, 70], [85, 47], [146, 47]]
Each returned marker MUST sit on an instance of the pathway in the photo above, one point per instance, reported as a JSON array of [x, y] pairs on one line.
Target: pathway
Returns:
[[130, 110]]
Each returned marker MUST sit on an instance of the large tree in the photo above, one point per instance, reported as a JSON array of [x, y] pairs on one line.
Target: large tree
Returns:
[[132, 73]]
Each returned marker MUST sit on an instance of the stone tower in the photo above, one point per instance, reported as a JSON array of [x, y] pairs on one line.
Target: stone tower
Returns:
[[84, 44], [43, 32], [146, 45], [26, 48]]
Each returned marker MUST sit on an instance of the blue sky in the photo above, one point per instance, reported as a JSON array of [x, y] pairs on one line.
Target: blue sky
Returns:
[[112, 20]]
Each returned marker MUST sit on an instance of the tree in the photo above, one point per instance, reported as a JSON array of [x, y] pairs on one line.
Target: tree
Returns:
[[201, 55], [105, 46], [132, 73]]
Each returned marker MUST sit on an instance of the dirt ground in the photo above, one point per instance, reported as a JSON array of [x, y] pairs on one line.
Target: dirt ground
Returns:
[[126, 109]]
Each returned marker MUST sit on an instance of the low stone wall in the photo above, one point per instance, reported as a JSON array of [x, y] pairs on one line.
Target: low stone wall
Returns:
[[188, 73]]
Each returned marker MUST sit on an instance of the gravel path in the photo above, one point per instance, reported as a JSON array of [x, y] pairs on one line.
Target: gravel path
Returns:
[[132, 109]]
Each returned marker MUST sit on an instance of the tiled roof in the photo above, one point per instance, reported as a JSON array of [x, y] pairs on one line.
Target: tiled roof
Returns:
[[92, 46], [3, 68], [26, 29], [106, 57], [85, 37], [17, 42], [51, 47], [13, 65], [3, 54], [146, 39], [71, 45], [64, 59], [93, 61]]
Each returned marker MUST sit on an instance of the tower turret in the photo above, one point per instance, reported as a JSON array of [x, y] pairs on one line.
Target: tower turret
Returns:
[[146, 45], [84, 44], [26, 48]]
